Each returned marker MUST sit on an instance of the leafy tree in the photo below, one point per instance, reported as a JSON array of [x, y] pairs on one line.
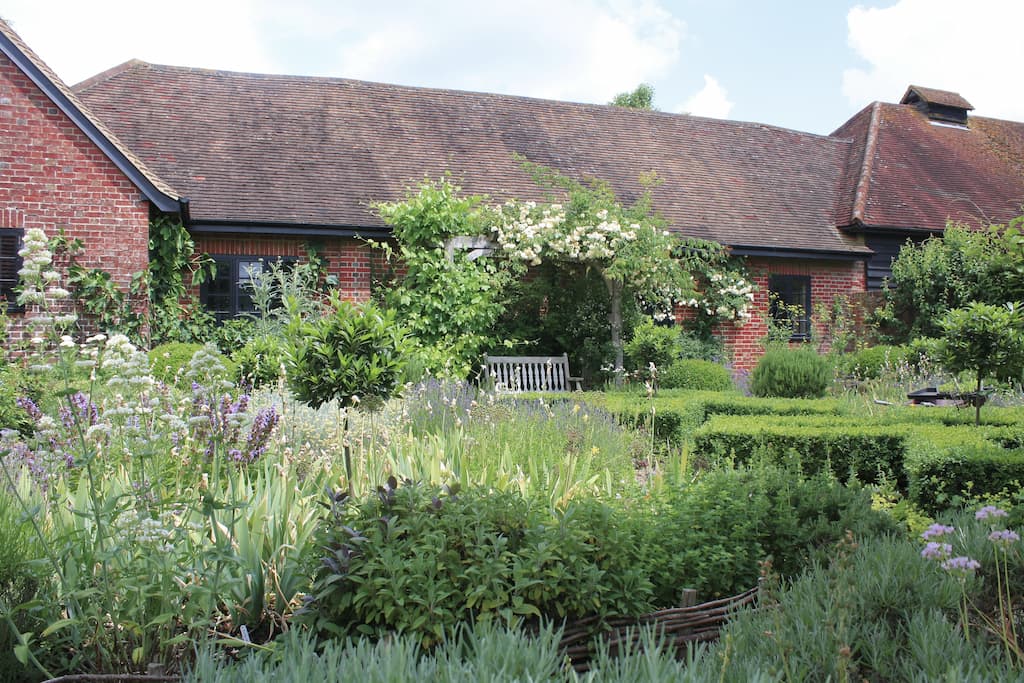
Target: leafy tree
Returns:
[[943, 273], [640, 98], [354, 354], [986, 340]]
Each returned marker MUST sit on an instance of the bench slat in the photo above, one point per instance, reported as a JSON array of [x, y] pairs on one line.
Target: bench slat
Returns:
[[531, 373]]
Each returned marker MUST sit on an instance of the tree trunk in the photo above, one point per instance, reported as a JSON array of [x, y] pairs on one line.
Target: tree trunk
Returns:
[[977, 403], [615, 287]]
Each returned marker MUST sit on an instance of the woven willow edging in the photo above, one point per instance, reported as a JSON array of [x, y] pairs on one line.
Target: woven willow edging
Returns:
[[678, 625]]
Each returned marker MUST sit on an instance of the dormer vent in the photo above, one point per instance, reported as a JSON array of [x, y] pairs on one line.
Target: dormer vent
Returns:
[[941, 106]]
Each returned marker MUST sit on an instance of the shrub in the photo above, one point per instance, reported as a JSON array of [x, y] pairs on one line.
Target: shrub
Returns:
[[652, 344], [700, 375], [711, 533], [418, 560], [872, 362], [790, 373], [170, 360], [259, 362], [233, 334], [816, 444], [699, 347], [879, 611], [676, 414]]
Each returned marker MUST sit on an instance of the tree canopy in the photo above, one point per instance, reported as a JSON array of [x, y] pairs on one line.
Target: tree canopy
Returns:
[[640, 98]]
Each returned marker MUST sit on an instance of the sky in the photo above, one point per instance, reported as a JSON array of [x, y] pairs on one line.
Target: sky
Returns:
[[802, 64]]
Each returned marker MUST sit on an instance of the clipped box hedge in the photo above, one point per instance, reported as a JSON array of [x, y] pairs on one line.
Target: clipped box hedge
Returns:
[[932, 457], [943, 462], [677, 414], [816, 442]]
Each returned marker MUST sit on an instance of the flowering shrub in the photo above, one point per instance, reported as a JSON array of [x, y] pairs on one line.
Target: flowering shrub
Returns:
[[626, 245]]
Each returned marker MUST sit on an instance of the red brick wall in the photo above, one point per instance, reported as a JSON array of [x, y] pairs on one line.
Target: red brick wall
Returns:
[[346, 258], [828, 280], [52, 176]]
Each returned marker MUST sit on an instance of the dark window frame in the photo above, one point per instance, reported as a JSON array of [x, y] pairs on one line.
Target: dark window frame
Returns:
[[11, 240], [791, 290], [227, 284]]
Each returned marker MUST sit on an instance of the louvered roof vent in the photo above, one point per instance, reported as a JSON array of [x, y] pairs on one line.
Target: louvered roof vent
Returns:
[[941, 106]]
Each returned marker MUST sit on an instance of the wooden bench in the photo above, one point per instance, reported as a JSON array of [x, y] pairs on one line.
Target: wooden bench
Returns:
[[530, 373]]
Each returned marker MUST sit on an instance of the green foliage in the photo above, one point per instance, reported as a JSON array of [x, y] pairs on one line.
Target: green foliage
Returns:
[[170, 361], [873, 361], [110, 308], [697, 375], [711, 533], [814, 444], [693, 345], [419, 560], [987, 341], [16, 383], [791, 373], [353, 355], [625, 245], [945, 464], [948, 272], [231, 335], [450, 305], [640, 98], [651, 343], [260, 361], [878, 611], [20, 579], [175, 314], [564, 308], [676, 414]]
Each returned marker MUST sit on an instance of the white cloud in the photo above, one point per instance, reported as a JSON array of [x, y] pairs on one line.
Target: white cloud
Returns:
[[585, 50], [711, 100], [79, 39], [971, 48]]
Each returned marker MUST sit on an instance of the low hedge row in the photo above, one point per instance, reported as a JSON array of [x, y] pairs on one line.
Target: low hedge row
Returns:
[[677, 414], [815, 443], [933, 460]]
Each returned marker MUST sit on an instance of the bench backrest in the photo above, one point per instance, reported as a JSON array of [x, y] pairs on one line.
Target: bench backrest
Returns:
[[528, 373]]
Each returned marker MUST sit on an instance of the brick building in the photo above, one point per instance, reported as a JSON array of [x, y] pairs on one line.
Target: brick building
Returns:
[[274, 164]]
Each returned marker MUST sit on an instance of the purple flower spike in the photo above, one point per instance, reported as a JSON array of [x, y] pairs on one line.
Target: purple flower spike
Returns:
[[1004, 538], [936, 531], [961, 565], [937, 551], [989, 512]]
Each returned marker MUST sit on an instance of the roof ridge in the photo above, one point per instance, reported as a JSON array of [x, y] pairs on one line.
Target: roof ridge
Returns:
[[25, 59], [107, 74], [860, 196], [299, 78]]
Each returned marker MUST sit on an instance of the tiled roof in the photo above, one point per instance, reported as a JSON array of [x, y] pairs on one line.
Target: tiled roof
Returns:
[[72, 101], [317, 151], [914, 173], [943, 97]]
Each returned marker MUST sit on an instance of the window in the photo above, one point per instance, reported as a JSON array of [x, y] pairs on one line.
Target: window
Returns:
[[790, 297], [10, 264], [228, 293]]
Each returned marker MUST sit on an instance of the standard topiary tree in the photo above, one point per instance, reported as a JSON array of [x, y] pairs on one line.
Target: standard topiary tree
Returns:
[[354, 355], [791, 373], [986, 340]]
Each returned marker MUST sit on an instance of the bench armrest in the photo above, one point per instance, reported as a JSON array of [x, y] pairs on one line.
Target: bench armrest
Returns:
[[577, 382]]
